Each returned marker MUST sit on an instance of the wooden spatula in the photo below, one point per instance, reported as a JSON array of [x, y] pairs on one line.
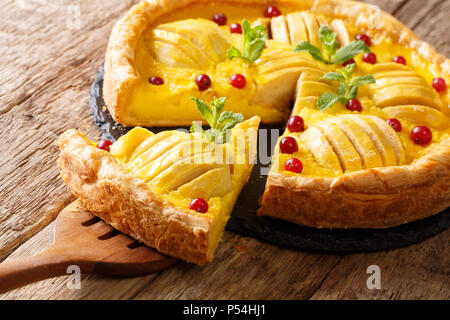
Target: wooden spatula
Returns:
[[86, 241]]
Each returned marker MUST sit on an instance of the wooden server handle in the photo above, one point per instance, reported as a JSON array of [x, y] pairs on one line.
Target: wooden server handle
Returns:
[[48, 264]]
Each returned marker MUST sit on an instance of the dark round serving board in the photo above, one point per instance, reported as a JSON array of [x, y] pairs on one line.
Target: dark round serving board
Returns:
[[245, 221]]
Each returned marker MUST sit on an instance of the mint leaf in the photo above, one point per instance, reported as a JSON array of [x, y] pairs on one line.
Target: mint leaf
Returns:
[[342, 89], [343, 100], [335, 76], [204, 110], [348, 52], [254, 43], [254, 50], [360, 81], [328, 39], [246, 27], [305, 46], [220, 122], [228, 120], [348, 88], [218, 104], [352, 92], [233, 52], [348, 70], [196, 127], [327, 100]]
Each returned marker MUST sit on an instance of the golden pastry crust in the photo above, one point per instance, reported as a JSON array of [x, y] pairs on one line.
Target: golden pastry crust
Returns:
[[125, 202], [121, 75], [372, 198]]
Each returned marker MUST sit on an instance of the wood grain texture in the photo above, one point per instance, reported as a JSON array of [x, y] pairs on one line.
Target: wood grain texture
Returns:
[[49, 61], [420, 271], [85, 241], [245, 268], [91, 286], [44, 85]]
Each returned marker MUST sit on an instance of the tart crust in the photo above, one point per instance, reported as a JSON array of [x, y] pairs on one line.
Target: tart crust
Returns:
[[127, 203]]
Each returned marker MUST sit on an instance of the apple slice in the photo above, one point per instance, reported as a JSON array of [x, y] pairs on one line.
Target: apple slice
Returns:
[[392, 137], [127, 144], [419, 115], [395, 74], [321, 149], [338, 26], [297, 28], [186, 170], [184, 149], [386, 82], [346, 152], [367, 150], [313, 89], [312, 27], [164, 141], [406, 94], [389, 66], [279, 30], [214, 183], [378, 137]]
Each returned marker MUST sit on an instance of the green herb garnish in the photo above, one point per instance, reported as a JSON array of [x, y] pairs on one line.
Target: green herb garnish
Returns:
[[220, 122], [330, 48], [254, 42], [348, 88]]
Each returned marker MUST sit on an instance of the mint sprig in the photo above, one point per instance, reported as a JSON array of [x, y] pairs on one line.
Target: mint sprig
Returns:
[[254, 43], [220, 122], [330, 47], [348, 89]]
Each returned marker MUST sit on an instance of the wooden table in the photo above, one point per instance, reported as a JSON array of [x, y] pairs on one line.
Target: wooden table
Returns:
[[50, 54]]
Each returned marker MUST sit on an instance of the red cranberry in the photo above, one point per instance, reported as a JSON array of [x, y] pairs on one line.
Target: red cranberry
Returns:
[[288, 145], [235, 28], [295, 124], [421, 135], [439, 84], [220, 19], [354, 105], [399, 59], [272, 12], [203, 82], [395, 124], [238, 81], [370, 58], [351, 61], [294, 165], [104, 145], [199, 205], [365, 38], [157, 81]]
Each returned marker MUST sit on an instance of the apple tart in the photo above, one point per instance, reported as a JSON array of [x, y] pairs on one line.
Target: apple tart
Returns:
[[367, 141]]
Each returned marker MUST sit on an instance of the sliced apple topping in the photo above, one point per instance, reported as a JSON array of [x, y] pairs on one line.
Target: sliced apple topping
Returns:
[[397, 84], [419, 115], [353, 142], [191, 43], [279, 29]]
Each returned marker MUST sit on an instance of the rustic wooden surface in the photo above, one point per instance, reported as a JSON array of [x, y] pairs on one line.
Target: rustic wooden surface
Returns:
[[50, 52]]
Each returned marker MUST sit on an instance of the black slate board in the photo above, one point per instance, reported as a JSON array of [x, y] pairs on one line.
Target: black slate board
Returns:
[[245, 221]]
